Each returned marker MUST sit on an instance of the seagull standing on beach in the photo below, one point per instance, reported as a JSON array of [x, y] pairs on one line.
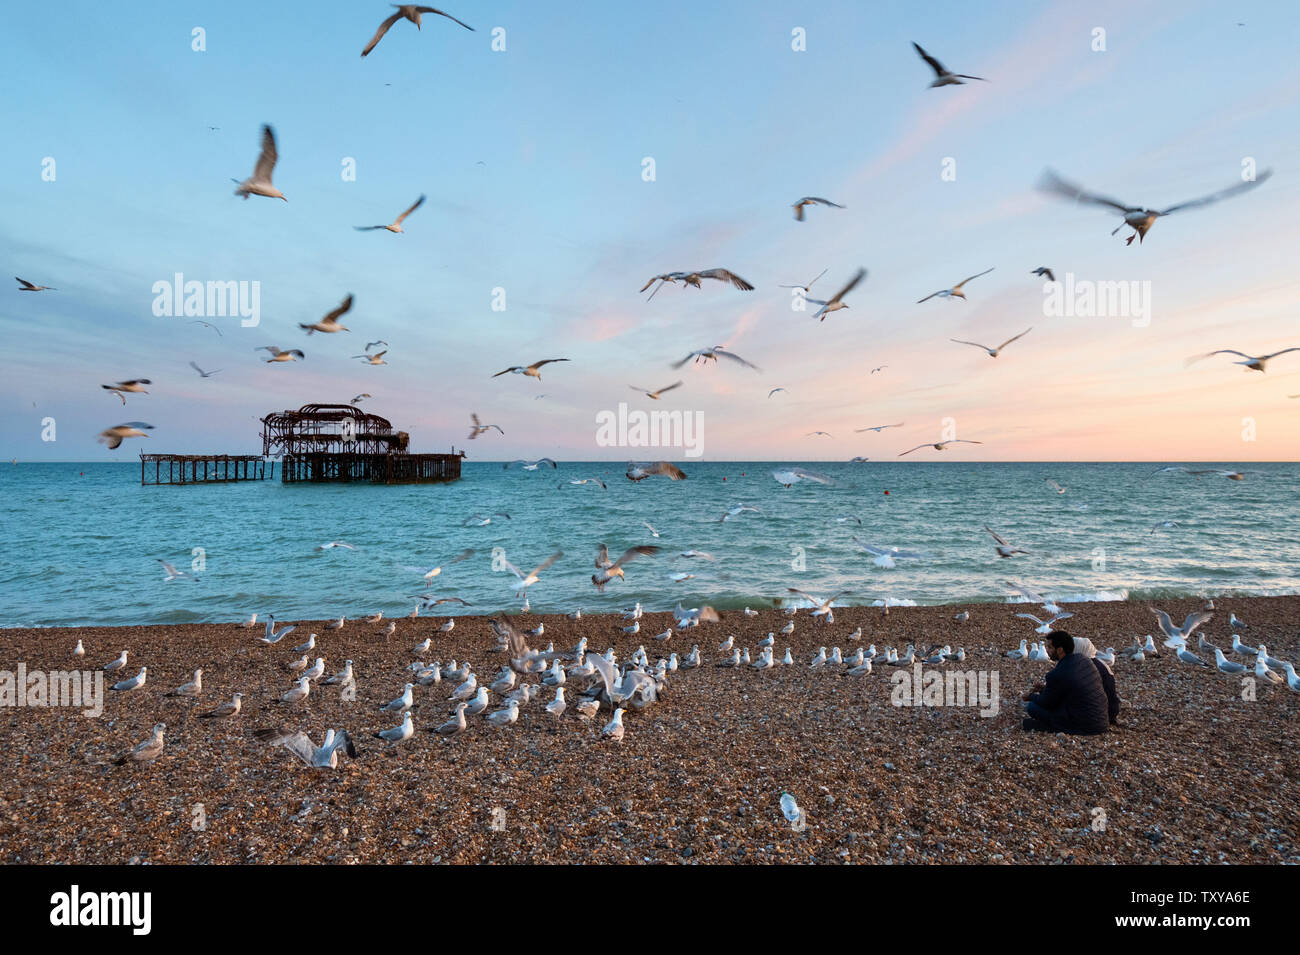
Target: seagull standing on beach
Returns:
[[401, 732], [192, 688], [114, 664], [134, 683], [147, 751], [225, 710], [942, 76], [955, 291], [454, 725], [259, 183], [614, 728]]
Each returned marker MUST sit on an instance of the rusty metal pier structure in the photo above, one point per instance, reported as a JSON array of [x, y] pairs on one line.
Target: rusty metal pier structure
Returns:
[[204, 468], [342, 443]]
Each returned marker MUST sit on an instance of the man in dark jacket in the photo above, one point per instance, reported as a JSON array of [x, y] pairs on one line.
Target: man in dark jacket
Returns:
[[1072, 698]]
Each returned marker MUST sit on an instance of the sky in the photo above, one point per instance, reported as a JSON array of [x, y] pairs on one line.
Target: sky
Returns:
[[533, 159]]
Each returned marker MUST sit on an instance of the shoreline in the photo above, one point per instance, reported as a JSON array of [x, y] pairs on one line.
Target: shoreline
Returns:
[[1140, 596], [1195, 774]]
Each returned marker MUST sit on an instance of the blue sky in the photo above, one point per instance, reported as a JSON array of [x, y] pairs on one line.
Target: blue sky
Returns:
[[531, 159]]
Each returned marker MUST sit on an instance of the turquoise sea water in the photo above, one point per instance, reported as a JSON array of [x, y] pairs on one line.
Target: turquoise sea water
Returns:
[[81, 540]]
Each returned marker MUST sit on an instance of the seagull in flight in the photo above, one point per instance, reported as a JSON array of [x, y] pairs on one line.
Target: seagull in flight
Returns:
[[477, 428], [172, 572], [942, 76], [528, 465], [774, 391], [655, 394], [1044, 272], [886, 556], [1059, 489], [812, 201], [259, 183], [878, 428], [395, 225], [527, 580], [202, 373], [1178, 635], [791, 476], [1137, 218], [956, 290], [939, 445], [994, 352], [1230, 475], [836, 302], [711, 354], [640, 471], [330, 323], [377, 358], [693, 278], [1004, 547], [813, 434], [530, 370], [26, 286], [809, 285], [607, 570], [196, 321], [1251, 363], [122, 388], [114, 436], [279, 354], [411, 12], [325, 756], [359, 398]]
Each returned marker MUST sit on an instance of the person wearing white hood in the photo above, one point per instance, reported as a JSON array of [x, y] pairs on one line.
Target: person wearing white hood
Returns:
[[1084, 646]]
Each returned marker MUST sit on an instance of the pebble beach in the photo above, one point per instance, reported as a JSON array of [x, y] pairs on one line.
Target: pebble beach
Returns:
[[1195, 774]]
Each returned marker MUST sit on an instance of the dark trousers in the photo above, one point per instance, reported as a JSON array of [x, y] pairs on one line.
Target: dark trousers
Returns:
[[1037, 720]]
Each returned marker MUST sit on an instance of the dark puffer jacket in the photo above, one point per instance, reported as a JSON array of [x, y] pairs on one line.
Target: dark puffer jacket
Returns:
[[1074, 697]]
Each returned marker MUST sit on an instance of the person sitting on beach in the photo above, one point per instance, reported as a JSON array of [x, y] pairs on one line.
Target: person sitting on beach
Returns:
[[1084, 646], [1071, 699]]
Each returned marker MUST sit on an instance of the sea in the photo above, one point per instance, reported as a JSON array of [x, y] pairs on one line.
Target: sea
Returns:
[[82, 542]]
